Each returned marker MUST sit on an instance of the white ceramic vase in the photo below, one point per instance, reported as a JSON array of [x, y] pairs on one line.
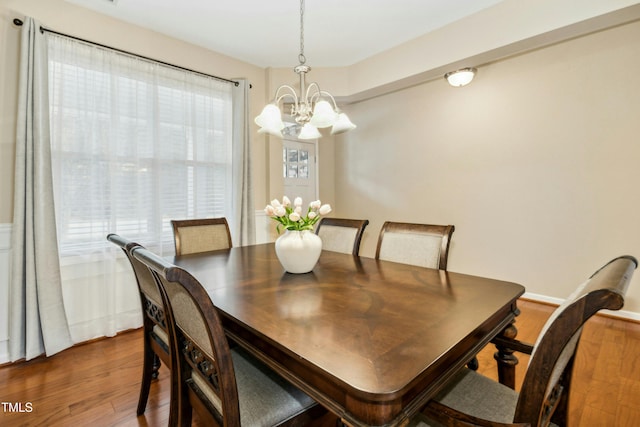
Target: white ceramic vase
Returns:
[[298, 251]]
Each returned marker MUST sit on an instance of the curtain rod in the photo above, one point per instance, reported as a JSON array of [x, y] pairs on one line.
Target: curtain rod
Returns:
[[18, 22]]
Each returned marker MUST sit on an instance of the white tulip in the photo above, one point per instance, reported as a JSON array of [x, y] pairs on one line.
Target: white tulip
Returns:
[[294, 216], [286, 201], [312, 215], [297, 201], [324, 209], [315, 205], [275, 203], [269, 210], [280, 211]]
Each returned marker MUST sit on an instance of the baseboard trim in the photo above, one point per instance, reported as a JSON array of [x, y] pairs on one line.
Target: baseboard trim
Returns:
[[620, 314], [4, 352]]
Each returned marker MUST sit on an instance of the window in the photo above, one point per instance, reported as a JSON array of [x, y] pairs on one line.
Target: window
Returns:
[[134, 144], [299, 169], [295, 163]]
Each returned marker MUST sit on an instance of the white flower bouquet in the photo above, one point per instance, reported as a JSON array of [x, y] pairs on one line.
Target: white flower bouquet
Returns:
[[290, 216]]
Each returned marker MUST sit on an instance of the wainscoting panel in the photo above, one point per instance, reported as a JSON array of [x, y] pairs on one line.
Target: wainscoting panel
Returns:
[[265, 228], [5, 265]]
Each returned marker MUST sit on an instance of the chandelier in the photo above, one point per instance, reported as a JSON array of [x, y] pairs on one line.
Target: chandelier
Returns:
[[312, 109]]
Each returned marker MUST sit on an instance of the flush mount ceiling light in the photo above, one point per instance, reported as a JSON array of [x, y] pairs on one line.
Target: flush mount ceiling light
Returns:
[[460, 77], [312, 109]]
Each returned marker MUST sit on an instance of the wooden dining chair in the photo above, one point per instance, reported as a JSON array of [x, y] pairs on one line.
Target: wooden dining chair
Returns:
[[227, 387], [341, 235], [200, 235], [154, 323], [472, 399], [424, 245]]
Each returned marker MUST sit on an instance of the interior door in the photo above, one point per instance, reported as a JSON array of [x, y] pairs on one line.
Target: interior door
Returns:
[[299, 170]]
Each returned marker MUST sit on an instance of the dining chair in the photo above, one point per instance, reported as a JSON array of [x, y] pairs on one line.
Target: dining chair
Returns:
[[200, 235], [341, 235], [154, 323], [477, 400], [225, 386], [424, 245]]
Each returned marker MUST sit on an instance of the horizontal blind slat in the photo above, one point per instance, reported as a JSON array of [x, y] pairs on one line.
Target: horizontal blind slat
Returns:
[[134, 145]]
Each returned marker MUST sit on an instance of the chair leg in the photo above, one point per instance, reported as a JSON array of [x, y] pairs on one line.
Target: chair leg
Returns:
[[181, 411], [156, 366], [473, 364], [148, 371]]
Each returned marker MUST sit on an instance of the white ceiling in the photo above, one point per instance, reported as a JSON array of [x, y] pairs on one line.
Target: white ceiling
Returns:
[[267, 32]]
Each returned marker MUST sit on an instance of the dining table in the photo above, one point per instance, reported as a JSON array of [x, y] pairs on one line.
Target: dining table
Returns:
[[371, 340]]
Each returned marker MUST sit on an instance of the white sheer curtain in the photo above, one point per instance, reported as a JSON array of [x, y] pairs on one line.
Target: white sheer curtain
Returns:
[[134, 144], [37, 322]]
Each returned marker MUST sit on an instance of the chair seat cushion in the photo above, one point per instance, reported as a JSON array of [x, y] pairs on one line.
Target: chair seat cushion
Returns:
[[266, 399], [482, 397]]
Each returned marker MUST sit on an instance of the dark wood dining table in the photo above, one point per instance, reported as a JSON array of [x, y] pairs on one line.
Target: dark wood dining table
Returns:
[[370, 340]]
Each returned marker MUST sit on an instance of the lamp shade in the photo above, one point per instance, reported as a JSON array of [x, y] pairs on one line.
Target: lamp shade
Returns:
[[323, 115], [270, 118], [460, 77], [275, 131], [309, 131], [342, 124]]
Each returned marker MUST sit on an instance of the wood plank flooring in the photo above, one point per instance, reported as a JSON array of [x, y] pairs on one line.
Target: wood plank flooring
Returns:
[[97, 384]]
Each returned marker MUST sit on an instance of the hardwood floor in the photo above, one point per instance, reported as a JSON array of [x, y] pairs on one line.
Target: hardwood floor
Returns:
[[97, 384]]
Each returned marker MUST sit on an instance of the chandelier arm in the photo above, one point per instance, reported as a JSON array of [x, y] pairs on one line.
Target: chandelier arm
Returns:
[[308, 98], [312, 85], [293, 94], [335, 104], [320, 93]]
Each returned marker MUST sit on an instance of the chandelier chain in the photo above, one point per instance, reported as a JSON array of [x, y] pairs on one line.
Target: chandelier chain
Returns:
[[301, 56]]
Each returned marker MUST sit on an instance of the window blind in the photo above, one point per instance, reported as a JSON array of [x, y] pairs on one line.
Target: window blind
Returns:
[[135, 144]]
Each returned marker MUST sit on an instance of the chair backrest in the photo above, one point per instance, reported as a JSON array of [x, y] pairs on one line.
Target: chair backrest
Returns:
[[149, 293], [545, 390], [200, 235], [341, 235], [424, 245], [199, 344]]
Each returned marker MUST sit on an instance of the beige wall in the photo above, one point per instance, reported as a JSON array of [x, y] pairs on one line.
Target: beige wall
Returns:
[[536, 163]]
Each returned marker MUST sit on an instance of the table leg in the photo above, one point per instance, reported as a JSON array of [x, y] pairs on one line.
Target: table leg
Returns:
[[505, 359]]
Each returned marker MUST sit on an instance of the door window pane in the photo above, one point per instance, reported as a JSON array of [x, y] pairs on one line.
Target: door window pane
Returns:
[[295, 163]]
